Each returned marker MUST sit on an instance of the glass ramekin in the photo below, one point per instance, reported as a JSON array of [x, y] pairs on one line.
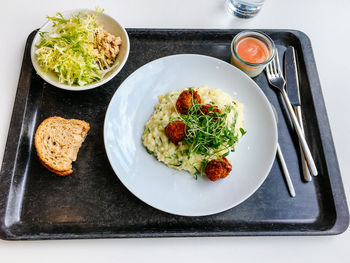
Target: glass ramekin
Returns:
[[251, 69]]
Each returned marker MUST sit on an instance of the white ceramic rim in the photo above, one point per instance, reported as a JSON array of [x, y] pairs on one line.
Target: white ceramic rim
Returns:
[[78, 88]]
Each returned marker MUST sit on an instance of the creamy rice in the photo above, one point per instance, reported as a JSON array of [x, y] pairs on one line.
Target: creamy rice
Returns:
[[156, 141]]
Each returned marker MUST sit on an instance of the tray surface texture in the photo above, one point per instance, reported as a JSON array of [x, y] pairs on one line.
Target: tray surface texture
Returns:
[[93, 203]]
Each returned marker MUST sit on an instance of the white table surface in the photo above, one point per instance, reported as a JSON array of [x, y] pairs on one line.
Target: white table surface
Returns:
[[327, 25]]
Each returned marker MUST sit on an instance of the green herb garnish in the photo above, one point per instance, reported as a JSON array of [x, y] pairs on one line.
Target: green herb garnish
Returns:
[[208, 134], [149, 151], [242, 131]]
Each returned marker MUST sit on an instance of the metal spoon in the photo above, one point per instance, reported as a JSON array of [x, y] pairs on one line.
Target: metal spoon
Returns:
[[283, 162]]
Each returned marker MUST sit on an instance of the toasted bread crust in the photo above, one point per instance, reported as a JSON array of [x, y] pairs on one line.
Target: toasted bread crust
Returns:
[[60, 173], [39, 143]]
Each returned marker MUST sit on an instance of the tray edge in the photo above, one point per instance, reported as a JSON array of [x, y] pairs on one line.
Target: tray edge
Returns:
[[342, 219]]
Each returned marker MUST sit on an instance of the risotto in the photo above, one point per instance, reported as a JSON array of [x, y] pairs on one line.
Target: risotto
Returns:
[[184, 156]]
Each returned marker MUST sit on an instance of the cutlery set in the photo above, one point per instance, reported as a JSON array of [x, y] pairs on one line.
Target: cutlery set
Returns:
[[292, 101], [291, 73]]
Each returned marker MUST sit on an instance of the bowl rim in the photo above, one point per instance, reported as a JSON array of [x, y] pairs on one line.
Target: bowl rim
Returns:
[[89, 86]]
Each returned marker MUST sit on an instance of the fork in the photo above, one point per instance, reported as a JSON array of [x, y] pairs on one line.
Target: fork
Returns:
[[276, 79]]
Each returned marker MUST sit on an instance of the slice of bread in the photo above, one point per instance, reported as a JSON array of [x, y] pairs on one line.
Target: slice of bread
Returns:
[[57, 142]]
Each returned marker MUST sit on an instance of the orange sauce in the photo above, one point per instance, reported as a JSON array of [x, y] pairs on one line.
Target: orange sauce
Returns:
[[252, 50]]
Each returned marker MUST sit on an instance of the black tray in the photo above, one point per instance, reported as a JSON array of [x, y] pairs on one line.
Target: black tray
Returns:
[[93, 203]]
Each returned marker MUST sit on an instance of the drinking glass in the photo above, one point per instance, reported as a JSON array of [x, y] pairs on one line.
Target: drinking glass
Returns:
[[244, 8]]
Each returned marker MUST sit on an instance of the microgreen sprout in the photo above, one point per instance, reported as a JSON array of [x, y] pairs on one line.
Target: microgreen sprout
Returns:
[[208, 134]]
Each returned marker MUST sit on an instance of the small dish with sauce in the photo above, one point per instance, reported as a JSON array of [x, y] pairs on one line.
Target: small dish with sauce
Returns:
[[251, 51]]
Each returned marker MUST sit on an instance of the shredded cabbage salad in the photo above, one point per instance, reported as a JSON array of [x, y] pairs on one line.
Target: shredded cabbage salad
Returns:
[[66, 50]]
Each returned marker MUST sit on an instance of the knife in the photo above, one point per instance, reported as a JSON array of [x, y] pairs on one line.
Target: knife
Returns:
[[291, 75]]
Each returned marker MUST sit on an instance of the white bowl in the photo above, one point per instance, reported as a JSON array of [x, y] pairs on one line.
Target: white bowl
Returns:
[[109, 24]]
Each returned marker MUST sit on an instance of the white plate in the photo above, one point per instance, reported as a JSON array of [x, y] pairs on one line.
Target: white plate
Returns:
[[174, 191]]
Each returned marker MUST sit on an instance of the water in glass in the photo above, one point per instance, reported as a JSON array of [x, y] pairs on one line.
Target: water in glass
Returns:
[[244, 8]]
